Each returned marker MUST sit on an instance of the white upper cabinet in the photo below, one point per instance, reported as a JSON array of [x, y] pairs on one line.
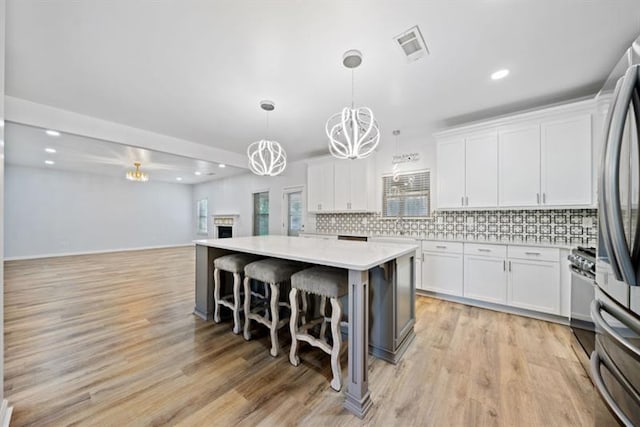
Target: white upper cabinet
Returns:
[[341, 185], [361, 185], [519, 166], [481, 177], [451, 174], [537, 159], [320, 187], [566, 161]]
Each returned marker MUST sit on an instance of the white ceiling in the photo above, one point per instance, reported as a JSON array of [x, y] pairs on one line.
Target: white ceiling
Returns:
[[25, 146], [197, 69]]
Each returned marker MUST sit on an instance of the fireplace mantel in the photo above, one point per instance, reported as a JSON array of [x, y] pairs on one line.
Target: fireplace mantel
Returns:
[[224, 220]]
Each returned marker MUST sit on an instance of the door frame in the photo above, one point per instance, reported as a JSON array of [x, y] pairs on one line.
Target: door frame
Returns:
[[285, 207]]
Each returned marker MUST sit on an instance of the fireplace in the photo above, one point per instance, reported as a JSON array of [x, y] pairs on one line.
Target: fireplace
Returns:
[[224, 231], [224, 225]]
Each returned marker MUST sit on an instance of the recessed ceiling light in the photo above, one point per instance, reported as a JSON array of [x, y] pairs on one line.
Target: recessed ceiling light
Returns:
[[198, 173], [50, 150], [49, 162], [500, 74], [222, 165], [52, 132], [178, 178]]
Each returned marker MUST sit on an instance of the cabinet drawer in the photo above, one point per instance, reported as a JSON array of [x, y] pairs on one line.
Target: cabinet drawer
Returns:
[[485, 250], [534, 253], [449, 247]]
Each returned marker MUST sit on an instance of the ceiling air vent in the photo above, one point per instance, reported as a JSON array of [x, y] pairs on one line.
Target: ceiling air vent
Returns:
[[412, 44]]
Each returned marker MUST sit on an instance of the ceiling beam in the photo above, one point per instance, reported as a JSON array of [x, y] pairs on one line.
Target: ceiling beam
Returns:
[[30, 113]]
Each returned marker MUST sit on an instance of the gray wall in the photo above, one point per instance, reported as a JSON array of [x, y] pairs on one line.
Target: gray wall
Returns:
[[50, 212]]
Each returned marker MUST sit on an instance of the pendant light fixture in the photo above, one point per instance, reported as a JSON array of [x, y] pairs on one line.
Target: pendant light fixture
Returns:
[[267, 158], [137, 175], [395, 173], [353, 133]]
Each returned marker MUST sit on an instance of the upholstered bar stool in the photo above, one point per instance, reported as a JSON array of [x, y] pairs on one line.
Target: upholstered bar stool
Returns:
[[234, 264], [327, 282], [272, 272]]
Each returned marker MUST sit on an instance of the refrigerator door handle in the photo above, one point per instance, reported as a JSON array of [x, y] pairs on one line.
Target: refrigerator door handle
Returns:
[[597, 306], [603, 199], [612, 176], [600, 385], [635, 245]]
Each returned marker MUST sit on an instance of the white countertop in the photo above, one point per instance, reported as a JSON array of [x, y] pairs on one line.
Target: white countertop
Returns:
[[426, 239], [334, 253]]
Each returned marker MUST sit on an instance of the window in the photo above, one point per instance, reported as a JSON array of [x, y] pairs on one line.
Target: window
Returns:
[[261, 214], [408, 195], [203, 208]]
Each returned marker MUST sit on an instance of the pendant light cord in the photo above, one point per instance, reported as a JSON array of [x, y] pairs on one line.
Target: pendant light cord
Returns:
[[353, 79]]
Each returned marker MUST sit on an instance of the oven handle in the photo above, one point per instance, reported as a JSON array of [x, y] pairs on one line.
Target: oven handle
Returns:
[[612, 177], [599, 383], [597, 306], [602, 198]]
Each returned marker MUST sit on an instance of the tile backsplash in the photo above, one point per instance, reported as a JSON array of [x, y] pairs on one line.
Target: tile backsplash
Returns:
[[558, 226]]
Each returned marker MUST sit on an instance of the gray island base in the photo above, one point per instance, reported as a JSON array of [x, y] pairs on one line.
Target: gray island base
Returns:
[[381, 294]]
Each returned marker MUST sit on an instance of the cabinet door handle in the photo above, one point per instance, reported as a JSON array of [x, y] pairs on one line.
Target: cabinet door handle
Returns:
[[504, 265], [462, 201], [544, 198], [466, 200], [509, 265], [538, 198], [532, 253], [441, 247], [484, 250]]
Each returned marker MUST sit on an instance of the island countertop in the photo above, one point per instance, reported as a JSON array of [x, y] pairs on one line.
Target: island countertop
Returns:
[[334, 253]]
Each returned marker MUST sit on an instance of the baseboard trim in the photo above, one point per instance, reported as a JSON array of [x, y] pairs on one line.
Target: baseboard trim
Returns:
[[5, 413], [496, 307], [101, 251]]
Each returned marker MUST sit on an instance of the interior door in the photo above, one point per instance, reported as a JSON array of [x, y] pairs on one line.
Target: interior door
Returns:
[[295, 209]]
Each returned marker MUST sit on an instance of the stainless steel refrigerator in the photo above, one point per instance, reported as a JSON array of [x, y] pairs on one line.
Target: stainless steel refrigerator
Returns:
[[615, 362]]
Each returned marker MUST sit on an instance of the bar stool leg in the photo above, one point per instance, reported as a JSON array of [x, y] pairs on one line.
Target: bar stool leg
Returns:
[[336, 316], [323, 310], [247, 308], [303, 296], [236, 303], [275, 318], [293, 325], [216, 295]]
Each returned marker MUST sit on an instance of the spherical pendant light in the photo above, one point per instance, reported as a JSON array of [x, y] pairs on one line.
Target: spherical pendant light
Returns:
[[266, 158], [353, 133]]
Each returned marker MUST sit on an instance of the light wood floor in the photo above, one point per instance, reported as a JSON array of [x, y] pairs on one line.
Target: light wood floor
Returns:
[[110, 340]]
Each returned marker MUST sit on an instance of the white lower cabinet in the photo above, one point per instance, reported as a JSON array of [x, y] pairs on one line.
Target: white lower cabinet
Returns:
[[485, 278], [442, 268], [534, 285], [517, 276]]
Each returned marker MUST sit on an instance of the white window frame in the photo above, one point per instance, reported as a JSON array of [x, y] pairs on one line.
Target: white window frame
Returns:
[[429, 196], [199, 231], [285, 207]]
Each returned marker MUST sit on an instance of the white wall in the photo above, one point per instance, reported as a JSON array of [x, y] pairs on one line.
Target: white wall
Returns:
[[50, 212], [2, 30], [234, 195]]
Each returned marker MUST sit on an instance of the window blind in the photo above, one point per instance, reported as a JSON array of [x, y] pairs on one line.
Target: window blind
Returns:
[[409, 195], [261, 213], [202, 215]]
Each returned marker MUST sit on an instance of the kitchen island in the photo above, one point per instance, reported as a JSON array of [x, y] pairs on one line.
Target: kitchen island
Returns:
[[381, 280]]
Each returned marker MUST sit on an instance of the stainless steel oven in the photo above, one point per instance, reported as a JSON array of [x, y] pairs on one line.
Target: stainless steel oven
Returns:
[[582, 262]]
